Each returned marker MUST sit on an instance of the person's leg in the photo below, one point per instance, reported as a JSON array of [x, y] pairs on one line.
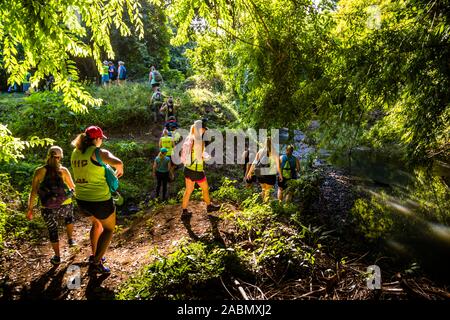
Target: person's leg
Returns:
[[187, 192], [266, 188], [205, 191], [69, 230], [67, 213], [165, 179], [280, 194], [108, 225], [96, 231], [49, 217], [158, 184]]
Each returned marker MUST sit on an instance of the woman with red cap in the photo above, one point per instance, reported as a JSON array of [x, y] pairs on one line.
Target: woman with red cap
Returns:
[[92, 191]]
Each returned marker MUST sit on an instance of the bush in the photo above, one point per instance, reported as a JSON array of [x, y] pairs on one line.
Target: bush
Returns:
[[13, 223], [372, 218], [230, 193], [177, 276]]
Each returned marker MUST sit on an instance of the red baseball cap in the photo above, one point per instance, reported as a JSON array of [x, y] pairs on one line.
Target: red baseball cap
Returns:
[[95, 132]]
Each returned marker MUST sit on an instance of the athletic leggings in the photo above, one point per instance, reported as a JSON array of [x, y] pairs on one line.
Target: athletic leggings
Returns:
[[162, 179], [51, 219]]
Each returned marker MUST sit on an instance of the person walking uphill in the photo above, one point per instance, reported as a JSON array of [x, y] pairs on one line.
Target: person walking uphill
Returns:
[[193, 157], [155, 78], [48, 183], [92, 191], [162, 169], [167, 142]]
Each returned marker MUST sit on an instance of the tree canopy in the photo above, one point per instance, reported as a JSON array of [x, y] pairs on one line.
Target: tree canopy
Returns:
[[47, 36]]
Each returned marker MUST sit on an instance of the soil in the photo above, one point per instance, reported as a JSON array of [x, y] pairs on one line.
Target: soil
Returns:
[[28, 274]]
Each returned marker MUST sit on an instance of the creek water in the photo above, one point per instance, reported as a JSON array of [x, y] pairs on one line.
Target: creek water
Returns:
[[416, 237]]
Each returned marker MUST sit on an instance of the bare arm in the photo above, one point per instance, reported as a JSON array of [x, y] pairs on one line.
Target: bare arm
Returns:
[[154, 168], [277, 162], [298, 165], [67, 178], [252, 166], [109, 158], [39, 175]]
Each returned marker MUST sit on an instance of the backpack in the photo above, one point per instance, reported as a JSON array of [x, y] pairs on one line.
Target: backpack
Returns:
[[52, 192], [157, 76], [111, 179], [186, 151], [287, 171]]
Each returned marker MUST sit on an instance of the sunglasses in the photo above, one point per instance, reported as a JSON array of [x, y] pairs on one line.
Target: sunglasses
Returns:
[[57, 157]]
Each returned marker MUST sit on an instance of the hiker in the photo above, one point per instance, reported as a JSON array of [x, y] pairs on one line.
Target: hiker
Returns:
[[155, 78], [171, 124], [105, 73], [121, 73], [49, 183], [167, 142], [168, 109], [163, 171], [156, 102], [112, 72], [93, 195], [193, 157], [266, 166], [290, 166]]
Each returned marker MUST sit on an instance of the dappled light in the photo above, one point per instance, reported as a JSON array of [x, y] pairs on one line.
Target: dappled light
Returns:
[[225, 150]]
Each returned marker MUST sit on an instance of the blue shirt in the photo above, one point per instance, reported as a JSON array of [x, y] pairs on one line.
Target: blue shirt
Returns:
[[162, 165]]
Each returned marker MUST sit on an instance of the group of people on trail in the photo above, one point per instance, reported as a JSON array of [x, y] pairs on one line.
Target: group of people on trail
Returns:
[[54, 186], [110, 74], [267, 164], [90, 187]]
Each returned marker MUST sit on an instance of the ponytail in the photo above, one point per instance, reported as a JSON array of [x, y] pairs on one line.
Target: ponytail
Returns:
[[82, 142]]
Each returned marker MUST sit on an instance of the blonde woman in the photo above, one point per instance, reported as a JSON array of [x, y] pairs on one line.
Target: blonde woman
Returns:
[[266, 166], [194, 170], [49, 183]]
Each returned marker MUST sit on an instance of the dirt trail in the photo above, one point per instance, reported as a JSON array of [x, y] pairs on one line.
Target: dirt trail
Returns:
[[29, 274]]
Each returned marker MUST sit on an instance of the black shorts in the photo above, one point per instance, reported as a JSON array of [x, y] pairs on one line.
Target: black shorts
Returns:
[[251, 180], [268, 179], [99, 209], [196, 176], [156, 84], [283, 184]]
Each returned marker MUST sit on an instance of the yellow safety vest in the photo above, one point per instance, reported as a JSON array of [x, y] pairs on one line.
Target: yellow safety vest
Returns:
[[167, 142]]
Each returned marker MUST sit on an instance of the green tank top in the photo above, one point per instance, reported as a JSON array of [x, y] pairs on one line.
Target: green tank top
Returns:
[[166, 142], [90, 181], [105, 70], [195, 164]]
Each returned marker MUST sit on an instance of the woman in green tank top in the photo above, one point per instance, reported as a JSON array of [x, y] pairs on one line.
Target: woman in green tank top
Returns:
[[92, 191], [194, 171]]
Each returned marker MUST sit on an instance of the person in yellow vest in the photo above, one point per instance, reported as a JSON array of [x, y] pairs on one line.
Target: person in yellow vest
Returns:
[[105, 73], [92, 191], [167, 142], [194, 167], [49, 183]]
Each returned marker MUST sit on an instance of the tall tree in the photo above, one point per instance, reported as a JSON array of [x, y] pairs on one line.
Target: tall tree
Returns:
[[51, 33]]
